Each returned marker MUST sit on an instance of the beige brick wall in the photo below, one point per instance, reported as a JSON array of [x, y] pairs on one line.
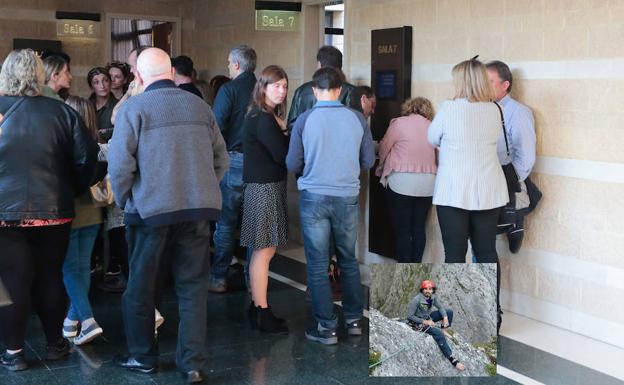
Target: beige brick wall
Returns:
[[219, 25], [578, 116]]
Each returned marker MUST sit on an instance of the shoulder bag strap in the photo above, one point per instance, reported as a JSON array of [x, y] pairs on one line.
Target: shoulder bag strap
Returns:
[[504, 129]]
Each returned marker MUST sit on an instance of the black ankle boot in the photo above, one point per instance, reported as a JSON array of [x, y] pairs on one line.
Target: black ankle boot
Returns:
[[268, 323], [499, 320], [252, 315]]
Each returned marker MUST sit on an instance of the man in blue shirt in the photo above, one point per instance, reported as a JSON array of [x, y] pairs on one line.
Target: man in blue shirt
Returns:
[[520, 127], [330, 145], [230, 107]]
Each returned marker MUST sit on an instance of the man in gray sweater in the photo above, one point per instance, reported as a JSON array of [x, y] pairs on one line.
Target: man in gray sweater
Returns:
[[166, 158]]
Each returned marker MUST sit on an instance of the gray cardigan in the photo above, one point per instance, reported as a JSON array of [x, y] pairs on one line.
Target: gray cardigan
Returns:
[[166, 158], [418, 310]]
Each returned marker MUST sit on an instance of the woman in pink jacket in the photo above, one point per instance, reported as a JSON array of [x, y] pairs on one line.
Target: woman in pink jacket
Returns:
[[407, 167]]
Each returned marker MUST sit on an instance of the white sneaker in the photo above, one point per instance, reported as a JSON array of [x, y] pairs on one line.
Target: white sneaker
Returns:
[[70, 329], [89, 334], [159, 320]]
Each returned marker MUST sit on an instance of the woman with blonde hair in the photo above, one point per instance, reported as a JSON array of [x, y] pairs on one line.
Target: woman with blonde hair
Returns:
[[265, 211], [407, 167], [46, 158], [470, 186]]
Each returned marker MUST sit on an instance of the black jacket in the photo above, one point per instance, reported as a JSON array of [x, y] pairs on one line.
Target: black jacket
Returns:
[[230, 107], [190, 87], [304, 99], [265, 149], [46, 158]]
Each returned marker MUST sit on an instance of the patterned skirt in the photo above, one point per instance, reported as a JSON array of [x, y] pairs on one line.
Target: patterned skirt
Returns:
[[265, 215]]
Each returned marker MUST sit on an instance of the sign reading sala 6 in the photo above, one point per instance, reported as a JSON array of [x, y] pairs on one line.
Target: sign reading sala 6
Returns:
[[269, 20], [77, 28]]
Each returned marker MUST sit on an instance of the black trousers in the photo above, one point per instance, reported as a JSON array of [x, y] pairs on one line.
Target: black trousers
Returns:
[[458, 225], [118, 250], [31, 268], [188, 243], [409, 216]]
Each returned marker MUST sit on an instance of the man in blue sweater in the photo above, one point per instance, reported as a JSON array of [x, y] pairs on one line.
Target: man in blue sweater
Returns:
[[166, 158], [330, 145]]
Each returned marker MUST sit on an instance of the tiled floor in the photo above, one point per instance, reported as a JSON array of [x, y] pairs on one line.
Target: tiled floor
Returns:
[[240, 355], [579, 349]]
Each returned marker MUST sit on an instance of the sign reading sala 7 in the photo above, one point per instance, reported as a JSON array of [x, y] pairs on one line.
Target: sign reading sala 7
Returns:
[[269, 20]]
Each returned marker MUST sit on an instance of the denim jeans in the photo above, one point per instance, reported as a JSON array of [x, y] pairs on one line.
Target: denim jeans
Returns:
[[232, 188], [436, 316], [321, 217], [440, 339], [187, 244], [77, 271]]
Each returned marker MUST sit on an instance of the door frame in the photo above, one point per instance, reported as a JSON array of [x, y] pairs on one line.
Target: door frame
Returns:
[[176, 43]]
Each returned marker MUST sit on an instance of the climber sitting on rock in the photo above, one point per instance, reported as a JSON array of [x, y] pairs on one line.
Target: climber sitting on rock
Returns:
[[421, 314]]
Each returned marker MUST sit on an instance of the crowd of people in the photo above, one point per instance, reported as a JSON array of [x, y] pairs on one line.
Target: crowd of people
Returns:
[[151, 161]]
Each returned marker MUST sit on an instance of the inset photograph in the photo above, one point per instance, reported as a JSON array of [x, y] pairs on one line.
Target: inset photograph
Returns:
[[432, 320]]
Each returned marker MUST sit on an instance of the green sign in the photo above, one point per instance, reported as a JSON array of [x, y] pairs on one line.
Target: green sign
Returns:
[[78, 28], [286, 21]]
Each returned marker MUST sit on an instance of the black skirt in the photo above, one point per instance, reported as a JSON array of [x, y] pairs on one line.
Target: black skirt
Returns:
[[265, 215]]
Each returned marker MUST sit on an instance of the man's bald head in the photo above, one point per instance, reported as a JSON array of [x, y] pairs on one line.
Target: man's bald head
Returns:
[[154, 64]]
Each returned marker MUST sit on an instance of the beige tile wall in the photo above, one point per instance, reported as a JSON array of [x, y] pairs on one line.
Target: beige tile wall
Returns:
[[576, 118], [219, 25]]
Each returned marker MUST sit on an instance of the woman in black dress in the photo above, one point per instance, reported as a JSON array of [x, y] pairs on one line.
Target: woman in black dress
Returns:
[[265, 221]]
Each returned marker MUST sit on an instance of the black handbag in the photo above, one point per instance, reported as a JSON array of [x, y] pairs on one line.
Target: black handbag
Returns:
[[511, 176]]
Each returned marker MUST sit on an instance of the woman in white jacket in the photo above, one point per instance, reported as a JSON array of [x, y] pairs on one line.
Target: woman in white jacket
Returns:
[[470, 186]]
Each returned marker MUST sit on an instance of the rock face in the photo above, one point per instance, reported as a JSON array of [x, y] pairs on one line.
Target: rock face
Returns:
[[423, 357], [468, 289]]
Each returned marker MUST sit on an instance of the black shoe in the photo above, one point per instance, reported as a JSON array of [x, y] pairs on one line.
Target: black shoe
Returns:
[[326, 337], [14, 362], [515, 240], [252, 314], [268, 323], [194, 376], [131, 363], [113, 283], [57, 350], [499, 320], [354, 328]]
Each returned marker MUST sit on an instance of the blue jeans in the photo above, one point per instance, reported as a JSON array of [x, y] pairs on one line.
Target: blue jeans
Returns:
[[232, 188], [187, 243], [321, 217], [436, 316], [77, 271], [438, 334]]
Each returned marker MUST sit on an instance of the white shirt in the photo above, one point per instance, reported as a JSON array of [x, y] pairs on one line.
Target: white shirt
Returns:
[[469, 176]]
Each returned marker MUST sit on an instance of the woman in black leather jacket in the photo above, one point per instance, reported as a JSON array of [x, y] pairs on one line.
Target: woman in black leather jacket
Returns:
[[46, 158]]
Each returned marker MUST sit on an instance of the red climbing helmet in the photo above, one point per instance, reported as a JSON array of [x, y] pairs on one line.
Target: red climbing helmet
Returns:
[[427, 284]]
